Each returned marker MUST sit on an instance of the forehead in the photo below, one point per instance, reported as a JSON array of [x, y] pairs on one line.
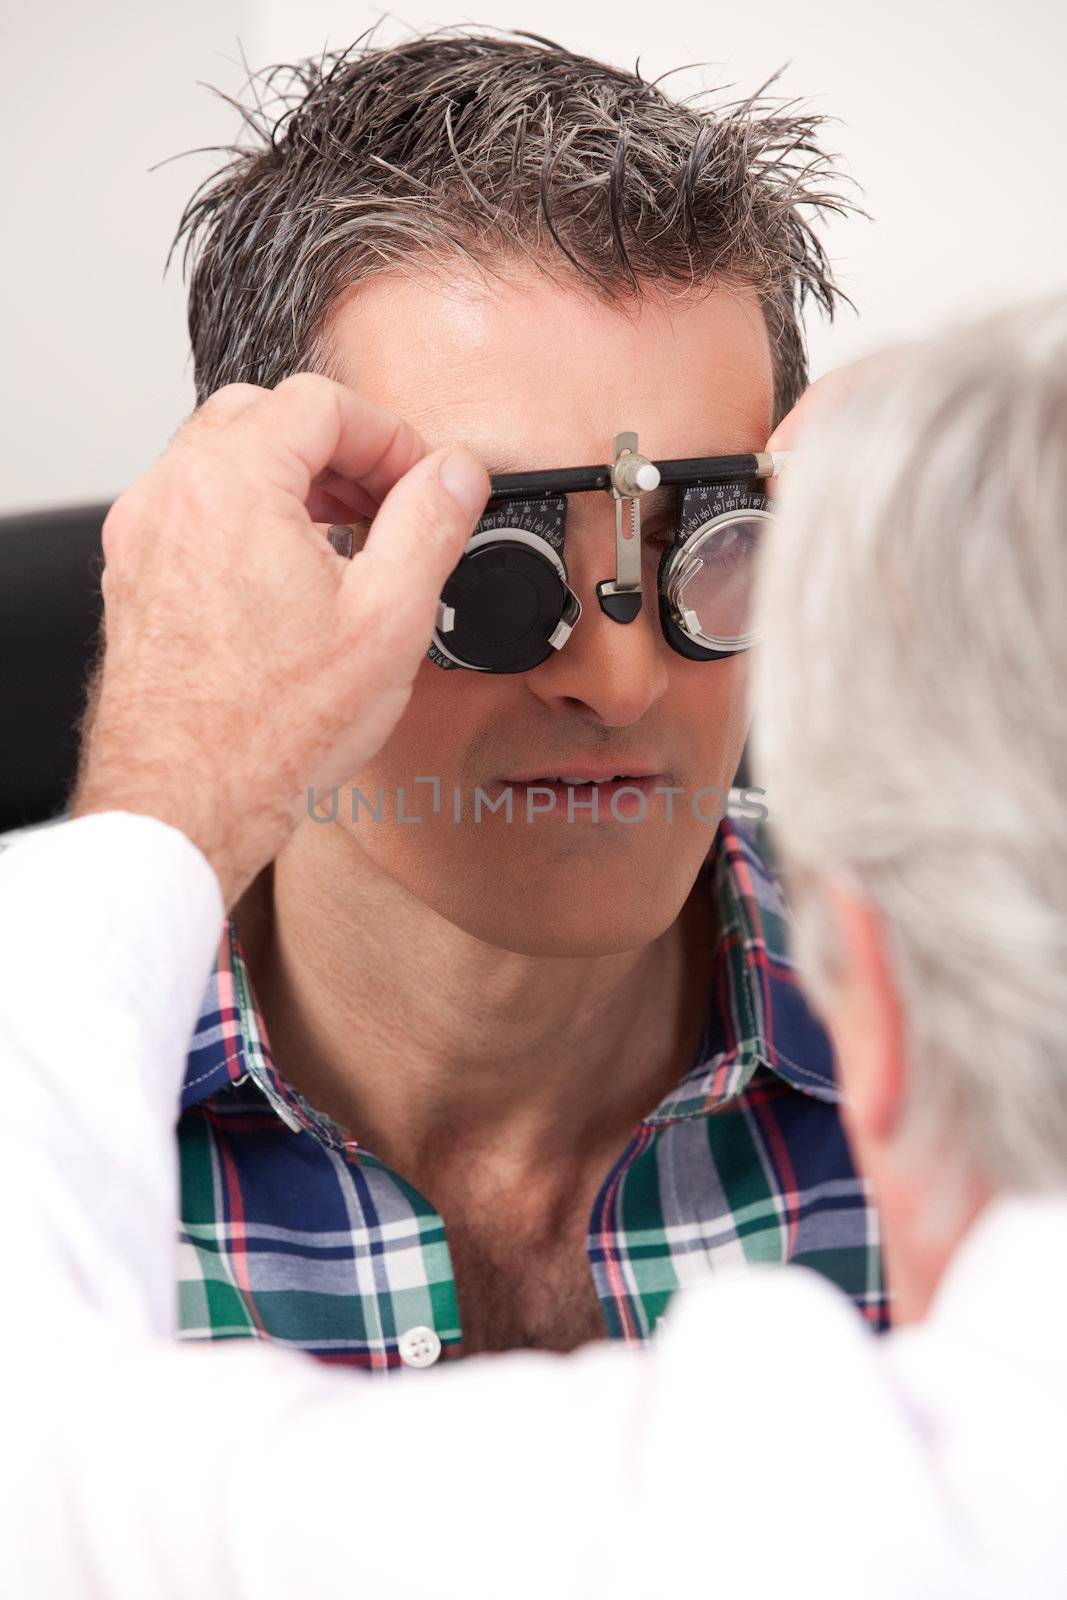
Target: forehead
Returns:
[[528, 373]]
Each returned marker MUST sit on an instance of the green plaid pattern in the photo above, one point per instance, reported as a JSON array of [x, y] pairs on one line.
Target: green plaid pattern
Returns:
[[291, 1232]]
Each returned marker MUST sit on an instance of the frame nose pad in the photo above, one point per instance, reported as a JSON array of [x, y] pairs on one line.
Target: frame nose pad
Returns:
[[632, 475]]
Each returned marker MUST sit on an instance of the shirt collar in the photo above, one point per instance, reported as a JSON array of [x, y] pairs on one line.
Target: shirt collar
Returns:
[[231, 1044], [756, 1015]]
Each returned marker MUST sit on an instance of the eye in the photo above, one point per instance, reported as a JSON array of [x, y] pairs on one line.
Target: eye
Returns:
[[658, 527], [658, 532], [737, 545]]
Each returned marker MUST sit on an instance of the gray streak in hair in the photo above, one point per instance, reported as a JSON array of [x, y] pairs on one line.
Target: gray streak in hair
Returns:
[[463, 145]]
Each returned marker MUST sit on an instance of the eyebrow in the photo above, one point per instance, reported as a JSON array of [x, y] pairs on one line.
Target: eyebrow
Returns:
[[656, 504], [659, 507], [505, 463], [653, 501]]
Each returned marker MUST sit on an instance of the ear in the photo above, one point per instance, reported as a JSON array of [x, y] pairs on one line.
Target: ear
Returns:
[[865, 1016]]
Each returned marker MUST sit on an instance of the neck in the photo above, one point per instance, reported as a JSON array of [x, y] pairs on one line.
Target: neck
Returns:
[[918, 1251], [428, 1045]]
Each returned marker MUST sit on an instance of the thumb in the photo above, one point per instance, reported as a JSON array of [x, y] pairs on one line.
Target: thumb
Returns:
[[416, 539]]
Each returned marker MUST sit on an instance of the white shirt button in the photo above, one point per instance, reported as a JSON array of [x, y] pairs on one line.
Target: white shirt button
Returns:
[[419, 1347]]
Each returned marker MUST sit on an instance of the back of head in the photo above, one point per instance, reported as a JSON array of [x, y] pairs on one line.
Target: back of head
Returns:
[[911, 724], [464, 146]]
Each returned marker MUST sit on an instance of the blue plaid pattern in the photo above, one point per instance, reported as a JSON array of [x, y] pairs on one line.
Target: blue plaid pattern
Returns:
[[291, 1232]]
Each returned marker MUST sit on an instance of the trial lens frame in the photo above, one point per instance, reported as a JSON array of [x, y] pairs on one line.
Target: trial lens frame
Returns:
[[508, 604]]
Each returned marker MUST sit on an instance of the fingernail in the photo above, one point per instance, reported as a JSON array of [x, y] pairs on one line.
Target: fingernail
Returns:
[[464, 478]]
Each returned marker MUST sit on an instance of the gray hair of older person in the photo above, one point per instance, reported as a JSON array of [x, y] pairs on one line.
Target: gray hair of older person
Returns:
[[464, 146], [911, 730]]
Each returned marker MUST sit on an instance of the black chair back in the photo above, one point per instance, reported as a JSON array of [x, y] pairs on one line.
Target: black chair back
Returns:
[[50, 609]]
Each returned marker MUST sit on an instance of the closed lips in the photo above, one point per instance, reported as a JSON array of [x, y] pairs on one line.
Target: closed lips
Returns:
[[587, 775]]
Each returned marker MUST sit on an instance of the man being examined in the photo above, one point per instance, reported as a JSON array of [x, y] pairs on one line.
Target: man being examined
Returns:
[[457, 1085]]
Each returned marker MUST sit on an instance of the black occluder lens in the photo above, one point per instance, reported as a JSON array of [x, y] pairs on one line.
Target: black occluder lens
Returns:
[[502, 605], [508, 601]]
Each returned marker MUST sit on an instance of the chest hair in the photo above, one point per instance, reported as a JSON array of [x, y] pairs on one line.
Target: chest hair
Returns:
[[524, 1287]]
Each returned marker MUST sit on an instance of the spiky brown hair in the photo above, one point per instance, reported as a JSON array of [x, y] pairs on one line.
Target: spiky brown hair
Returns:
[[481, 146]]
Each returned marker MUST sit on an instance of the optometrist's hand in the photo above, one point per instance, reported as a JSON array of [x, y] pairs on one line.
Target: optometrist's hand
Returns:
[[825, 394], [244, 660]]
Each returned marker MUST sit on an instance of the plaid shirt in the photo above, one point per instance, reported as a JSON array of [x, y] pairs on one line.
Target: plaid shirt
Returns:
[[290, 1232]]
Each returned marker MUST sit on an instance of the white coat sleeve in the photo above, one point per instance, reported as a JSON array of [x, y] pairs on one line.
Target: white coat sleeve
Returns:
[[134, 1465]]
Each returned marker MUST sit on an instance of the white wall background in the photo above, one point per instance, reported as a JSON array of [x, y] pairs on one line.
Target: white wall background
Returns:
[[950, 118]]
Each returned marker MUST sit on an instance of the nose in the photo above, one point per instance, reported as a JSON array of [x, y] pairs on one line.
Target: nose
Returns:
[[616, 670]]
